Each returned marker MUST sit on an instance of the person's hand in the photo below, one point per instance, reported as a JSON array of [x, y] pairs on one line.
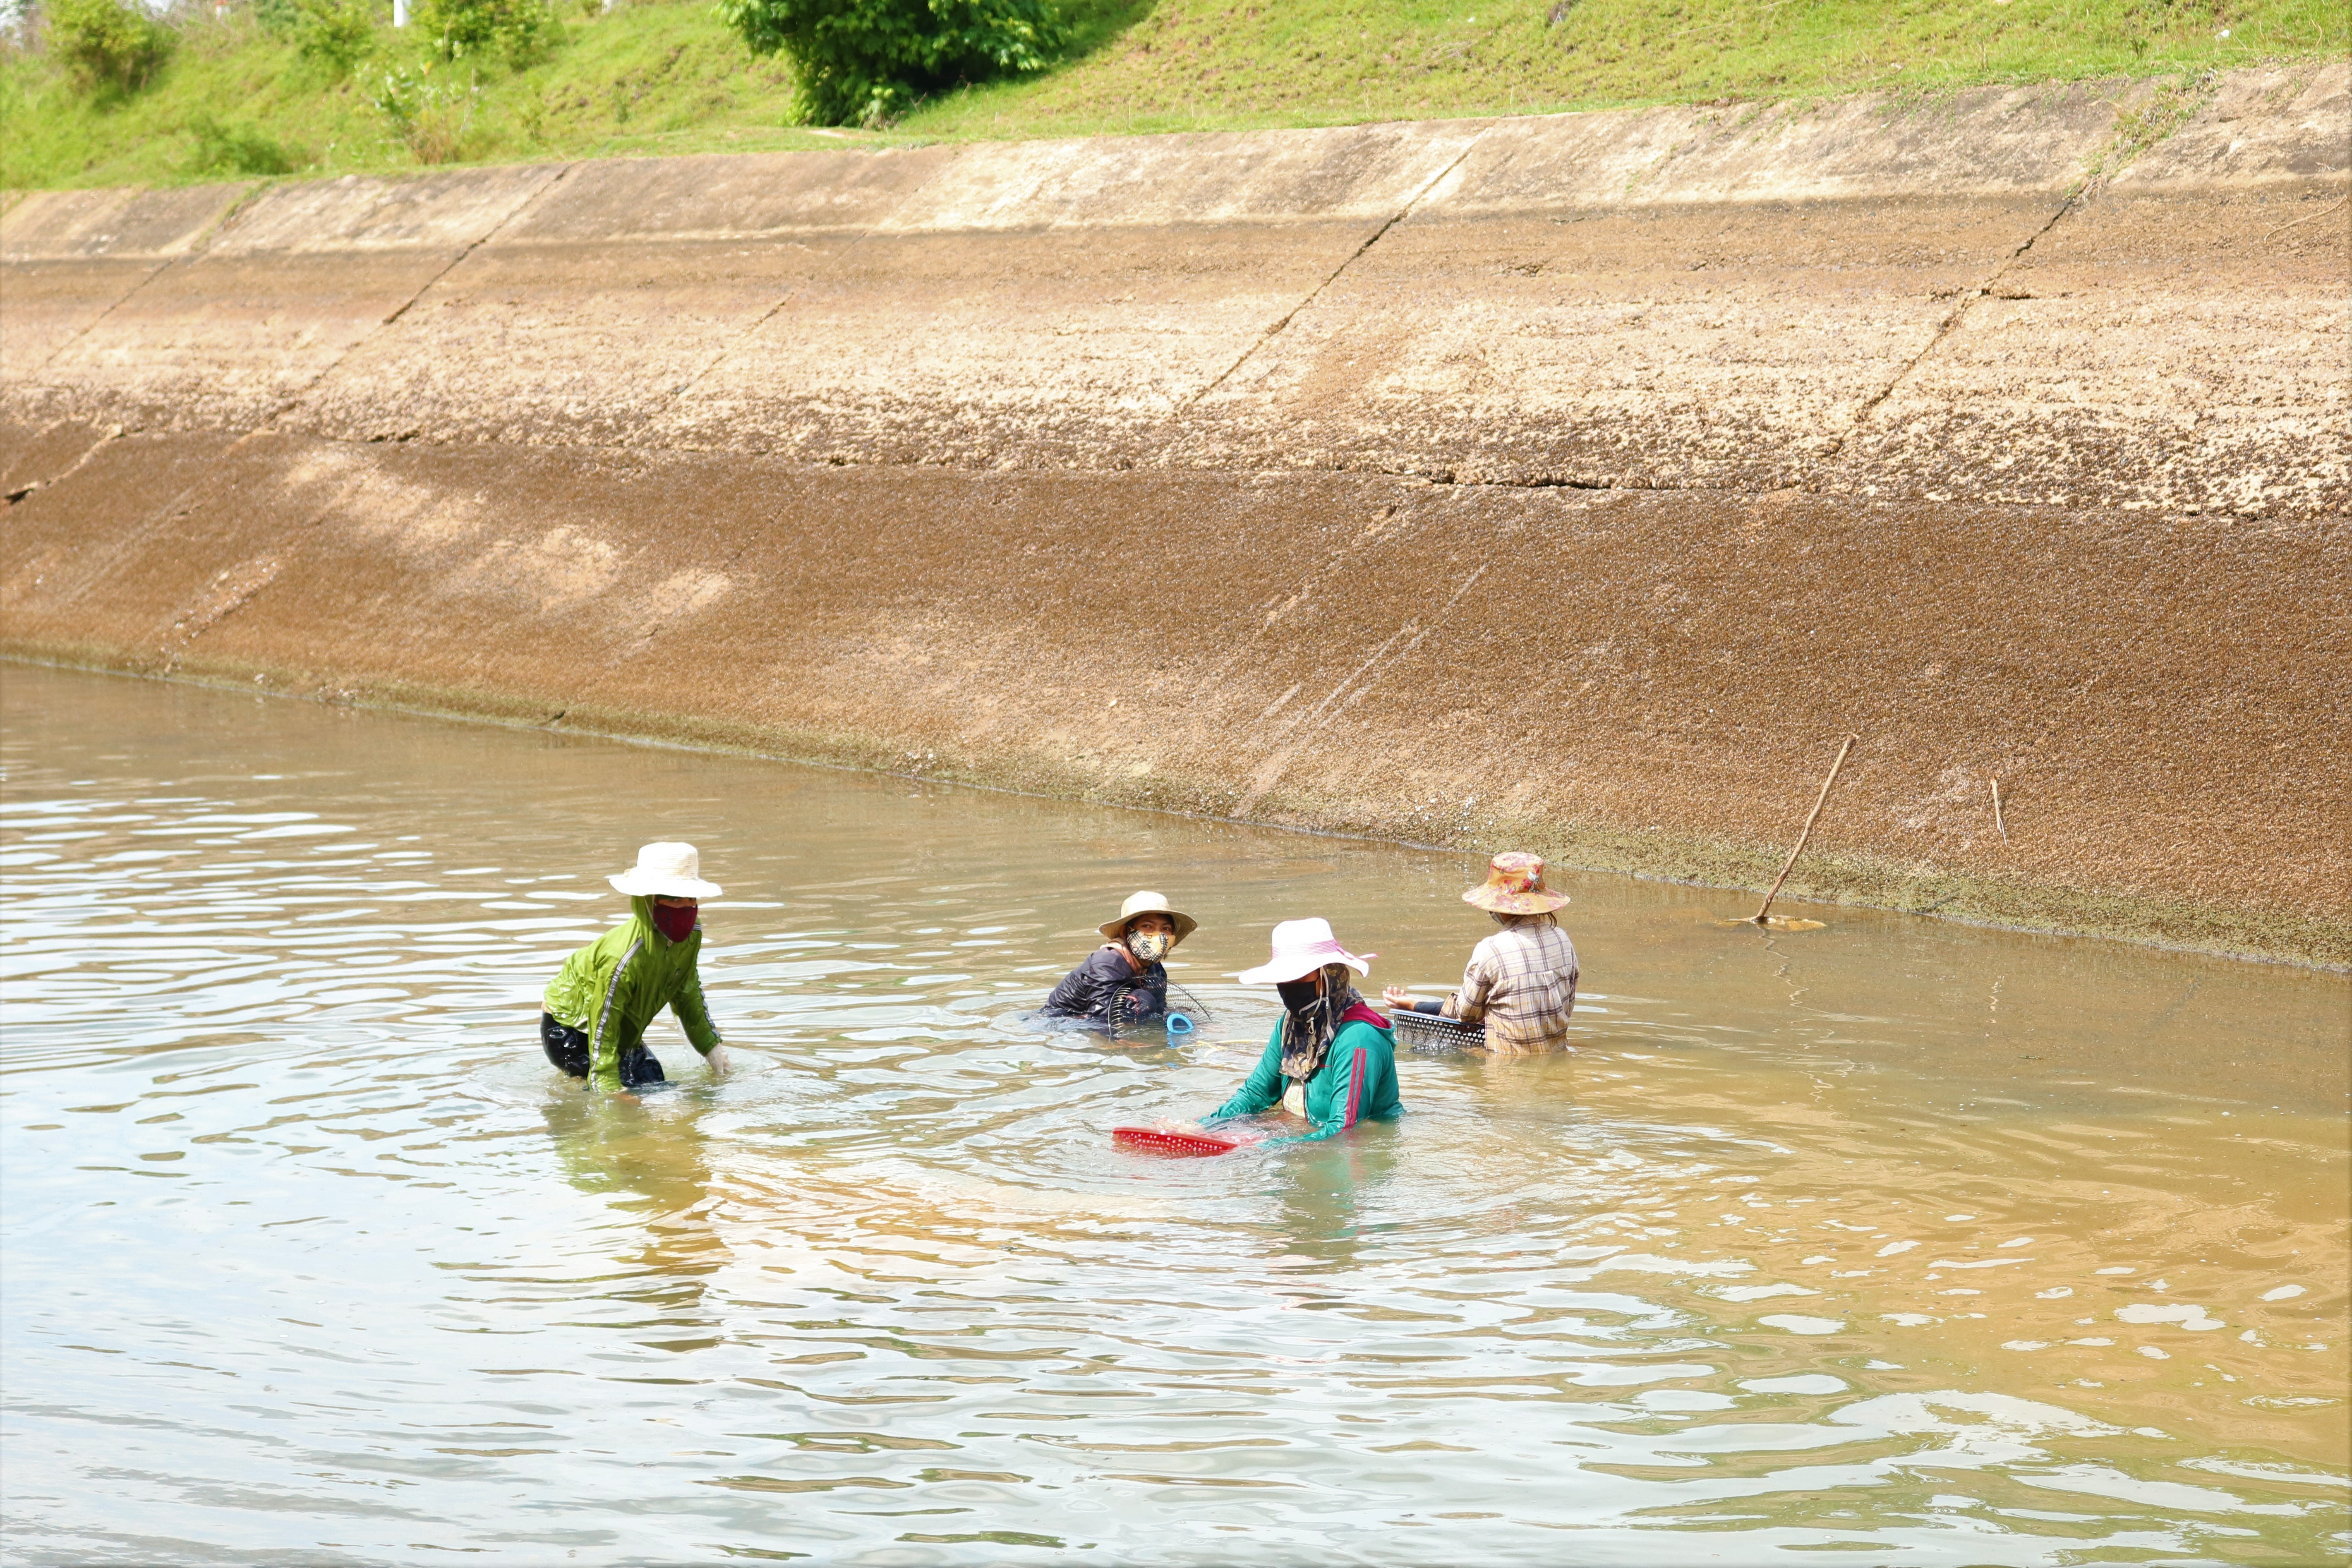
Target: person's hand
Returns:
[[1397, 997], [717, 1061]]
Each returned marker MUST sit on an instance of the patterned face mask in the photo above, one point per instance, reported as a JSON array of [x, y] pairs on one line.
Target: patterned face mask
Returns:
[[1150, 946]]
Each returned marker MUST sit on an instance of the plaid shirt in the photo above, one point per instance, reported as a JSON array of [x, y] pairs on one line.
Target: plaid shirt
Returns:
[[1522, 982]]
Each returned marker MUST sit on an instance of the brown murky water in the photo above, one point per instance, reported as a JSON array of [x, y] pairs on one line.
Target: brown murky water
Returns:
[[1889, 1242]]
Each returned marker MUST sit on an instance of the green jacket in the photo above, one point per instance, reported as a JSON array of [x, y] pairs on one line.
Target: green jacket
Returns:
[[1357, 1081], [610, 989]]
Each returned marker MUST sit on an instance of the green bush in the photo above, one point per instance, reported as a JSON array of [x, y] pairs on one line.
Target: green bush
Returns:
[[433, 118], [517, 31], [864, 62], [336, 33], [107, 46], [236, 150]]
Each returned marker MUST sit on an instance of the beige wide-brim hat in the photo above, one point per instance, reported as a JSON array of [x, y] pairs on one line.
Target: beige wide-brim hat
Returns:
[[665, 871], [1514, 886], [1146, 904]]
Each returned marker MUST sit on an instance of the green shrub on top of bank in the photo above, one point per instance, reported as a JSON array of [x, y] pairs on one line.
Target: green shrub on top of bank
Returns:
[[107, 45], [115, 95], [335, 34], [432, 114], [866, 62], [516, 33]]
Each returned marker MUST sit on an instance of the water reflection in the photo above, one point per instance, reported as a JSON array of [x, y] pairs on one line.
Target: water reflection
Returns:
[[1890, 1241], [1318, 1193], [643, 1158]]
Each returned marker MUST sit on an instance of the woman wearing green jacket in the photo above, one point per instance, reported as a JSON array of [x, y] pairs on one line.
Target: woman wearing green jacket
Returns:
[[598, 1003], [1331, 1059]]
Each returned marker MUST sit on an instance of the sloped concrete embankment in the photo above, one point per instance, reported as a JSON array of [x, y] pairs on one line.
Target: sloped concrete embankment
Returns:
[[1571, 483]]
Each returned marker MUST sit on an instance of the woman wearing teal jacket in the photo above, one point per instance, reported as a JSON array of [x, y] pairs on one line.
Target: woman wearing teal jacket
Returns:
[[1331, 1059], [598, 1003]]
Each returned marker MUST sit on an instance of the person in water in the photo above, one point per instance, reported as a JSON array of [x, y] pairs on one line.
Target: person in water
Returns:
[[1124, 981], [1521, 980], [1331, 1059], [598, 1003]]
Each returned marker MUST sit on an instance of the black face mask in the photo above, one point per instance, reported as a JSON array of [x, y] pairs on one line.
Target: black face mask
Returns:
[[1297, 995]]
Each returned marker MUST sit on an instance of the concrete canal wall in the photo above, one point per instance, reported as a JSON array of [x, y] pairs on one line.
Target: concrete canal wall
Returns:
[[1570, 482]]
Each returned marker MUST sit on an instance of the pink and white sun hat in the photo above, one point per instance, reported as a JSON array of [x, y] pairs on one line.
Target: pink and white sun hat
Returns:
[[1300, 948]]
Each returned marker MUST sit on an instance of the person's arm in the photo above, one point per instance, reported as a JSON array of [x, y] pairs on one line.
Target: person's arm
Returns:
[[1262, 1090], [693, 1014], [1400, 1000], [1080, 993], [1469, 1003], [1070, 996], [610, 1031]]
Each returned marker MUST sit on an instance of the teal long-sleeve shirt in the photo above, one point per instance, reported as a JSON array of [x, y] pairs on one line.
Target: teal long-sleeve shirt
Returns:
[[1357, 1081]]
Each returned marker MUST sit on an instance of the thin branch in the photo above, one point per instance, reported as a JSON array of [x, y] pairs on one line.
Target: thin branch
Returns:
[[1812, 816]]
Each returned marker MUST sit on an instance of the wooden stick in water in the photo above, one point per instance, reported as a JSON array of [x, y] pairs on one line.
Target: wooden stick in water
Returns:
[[1811, 817], [1997, 822]]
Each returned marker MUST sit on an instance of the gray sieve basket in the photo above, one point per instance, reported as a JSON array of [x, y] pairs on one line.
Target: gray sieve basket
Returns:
[[1433, 1036]]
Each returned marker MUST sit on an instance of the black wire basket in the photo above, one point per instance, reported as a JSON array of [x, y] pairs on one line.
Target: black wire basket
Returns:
[[1433, 1036]]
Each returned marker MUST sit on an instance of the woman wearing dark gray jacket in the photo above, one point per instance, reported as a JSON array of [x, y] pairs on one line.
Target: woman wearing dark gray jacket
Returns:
[[1124, 981]]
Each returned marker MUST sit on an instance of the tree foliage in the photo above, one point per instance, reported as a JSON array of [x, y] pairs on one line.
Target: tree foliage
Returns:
[[335, 34], [864, 62], [517, 31], [107, 45]]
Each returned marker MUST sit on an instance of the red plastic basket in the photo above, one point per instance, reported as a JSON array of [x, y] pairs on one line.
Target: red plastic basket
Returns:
[[1160, 1142]]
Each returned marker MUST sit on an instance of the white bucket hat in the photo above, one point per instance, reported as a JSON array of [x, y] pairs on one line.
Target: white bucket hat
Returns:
[[666, 870], [1300, 948], [1146, 904]]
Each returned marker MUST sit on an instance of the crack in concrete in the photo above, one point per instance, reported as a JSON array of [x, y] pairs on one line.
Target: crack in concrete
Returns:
[[113, 433], [2125, 137], [97, 570], [1944, 329], [229, 591], [1446, 476], [1362, 679], [196, 248], [217, 471], [793, 293], [1314, 293], [270, 423]]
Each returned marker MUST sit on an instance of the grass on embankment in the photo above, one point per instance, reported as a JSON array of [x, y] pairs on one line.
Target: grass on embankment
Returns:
[[662, 77]]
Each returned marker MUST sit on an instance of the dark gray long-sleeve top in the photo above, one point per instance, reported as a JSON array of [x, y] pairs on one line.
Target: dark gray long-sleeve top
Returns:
[[1091, 989]]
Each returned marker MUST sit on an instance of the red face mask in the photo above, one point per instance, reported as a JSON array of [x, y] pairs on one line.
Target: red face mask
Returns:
[[674, 922]]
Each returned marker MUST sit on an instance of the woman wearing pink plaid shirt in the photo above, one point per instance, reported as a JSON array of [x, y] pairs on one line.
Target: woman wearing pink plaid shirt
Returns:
[[1521, 980]]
